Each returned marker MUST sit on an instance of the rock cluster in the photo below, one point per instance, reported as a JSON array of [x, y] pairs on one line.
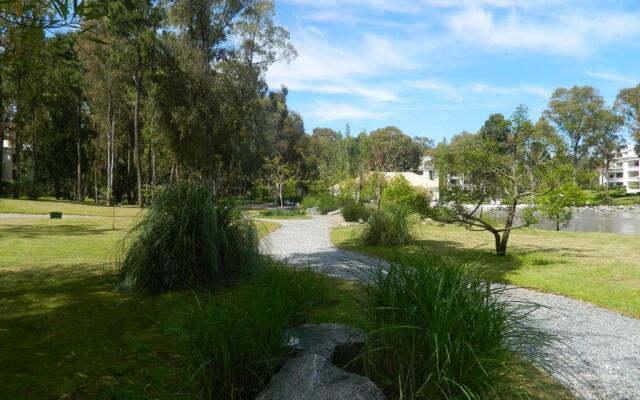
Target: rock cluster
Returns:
[[312, 374]]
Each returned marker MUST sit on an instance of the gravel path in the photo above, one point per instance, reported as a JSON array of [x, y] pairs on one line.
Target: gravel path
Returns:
[[598, 350]]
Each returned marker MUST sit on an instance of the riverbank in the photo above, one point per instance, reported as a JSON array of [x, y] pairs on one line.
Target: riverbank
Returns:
[[600, 268]]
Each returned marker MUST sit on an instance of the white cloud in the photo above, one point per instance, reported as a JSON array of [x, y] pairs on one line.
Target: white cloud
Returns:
[[326, 112], [440, 88], [561, 34], [323, 67], [612, 77], [510, 90]]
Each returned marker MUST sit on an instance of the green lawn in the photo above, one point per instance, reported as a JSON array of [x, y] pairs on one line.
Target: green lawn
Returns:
[[66, 207], [628, 200], [66, 333], [601, 268]]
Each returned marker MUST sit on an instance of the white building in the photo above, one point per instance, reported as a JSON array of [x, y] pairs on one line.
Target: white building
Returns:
[[8, 163], [623, 171]]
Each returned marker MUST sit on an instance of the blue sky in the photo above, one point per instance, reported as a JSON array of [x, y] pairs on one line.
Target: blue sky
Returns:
[[437, 67]]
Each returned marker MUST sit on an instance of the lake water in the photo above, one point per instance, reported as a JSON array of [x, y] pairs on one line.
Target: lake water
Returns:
[[614, 221]]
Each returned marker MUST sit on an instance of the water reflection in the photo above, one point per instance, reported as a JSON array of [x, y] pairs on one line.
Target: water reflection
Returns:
[[625, 222]]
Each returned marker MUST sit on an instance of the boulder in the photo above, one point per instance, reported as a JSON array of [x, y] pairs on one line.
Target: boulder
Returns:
[[312, 377], [338, 343], [313, 211]]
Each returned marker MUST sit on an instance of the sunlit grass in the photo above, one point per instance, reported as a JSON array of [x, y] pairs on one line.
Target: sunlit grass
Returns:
[[601, 268], [65, 207], [66, 333]]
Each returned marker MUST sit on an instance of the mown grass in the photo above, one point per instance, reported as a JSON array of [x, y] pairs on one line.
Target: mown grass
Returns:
[[65, 207], [601, 268], [66, 333]]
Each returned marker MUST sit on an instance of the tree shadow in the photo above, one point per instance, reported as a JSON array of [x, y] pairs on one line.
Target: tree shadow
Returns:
[[66, 331], [33, 231]]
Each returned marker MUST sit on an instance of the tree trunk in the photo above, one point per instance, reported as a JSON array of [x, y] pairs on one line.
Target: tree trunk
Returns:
[[79, 195], [280, 193], [78, 172], [606, 180], [136, 133], [500, 251], [501, 248], [1, 138], [1, 144], [95, 182]]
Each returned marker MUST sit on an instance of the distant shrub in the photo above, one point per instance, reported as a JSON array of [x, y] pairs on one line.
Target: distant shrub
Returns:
[[310, 202], [187, 240], [235, 340], [400, 191], [281, 213], [327, 203], [618, 192], [439, 332], [391, 225], [353, 212]]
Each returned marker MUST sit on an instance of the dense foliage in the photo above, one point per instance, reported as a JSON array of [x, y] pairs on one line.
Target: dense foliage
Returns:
[[391, 225], [353, 211], [437, 331], [236, 342], [187, 241]]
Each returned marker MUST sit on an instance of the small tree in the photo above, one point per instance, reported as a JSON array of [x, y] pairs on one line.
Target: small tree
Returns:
[[556, 205], [524, 163], [400, 191], [279, 172]]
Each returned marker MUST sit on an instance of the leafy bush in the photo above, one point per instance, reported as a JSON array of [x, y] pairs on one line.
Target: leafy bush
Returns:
[[391, 225], [327, 203], [186, 240], [310, 202], [353, 212], [440, 332], [282, 213], [236, 340], [400, 191]]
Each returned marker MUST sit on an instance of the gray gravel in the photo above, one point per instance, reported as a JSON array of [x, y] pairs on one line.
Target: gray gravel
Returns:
[[597, 351]]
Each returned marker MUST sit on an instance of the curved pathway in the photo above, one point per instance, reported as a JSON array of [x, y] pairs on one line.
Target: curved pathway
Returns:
[[597, 353]]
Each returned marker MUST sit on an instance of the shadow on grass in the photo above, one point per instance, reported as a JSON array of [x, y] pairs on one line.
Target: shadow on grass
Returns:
[[33, 231], [66, 333], [491, 266]]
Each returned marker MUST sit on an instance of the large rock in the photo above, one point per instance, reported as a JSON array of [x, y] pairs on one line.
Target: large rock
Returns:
[[338, 343], [313, 211], [313, 377]]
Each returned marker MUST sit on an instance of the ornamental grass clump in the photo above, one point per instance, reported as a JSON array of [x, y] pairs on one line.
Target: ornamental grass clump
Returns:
[[437, 331], [354, 212], [187, 240], [236, 339], [391, 225]]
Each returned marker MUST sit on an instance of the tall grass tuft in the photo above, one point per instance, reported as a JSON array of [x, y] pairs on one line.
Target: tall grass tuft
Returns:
[[390, 225], [439, 332], [187, 240], [354, 212], [235, 339]]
